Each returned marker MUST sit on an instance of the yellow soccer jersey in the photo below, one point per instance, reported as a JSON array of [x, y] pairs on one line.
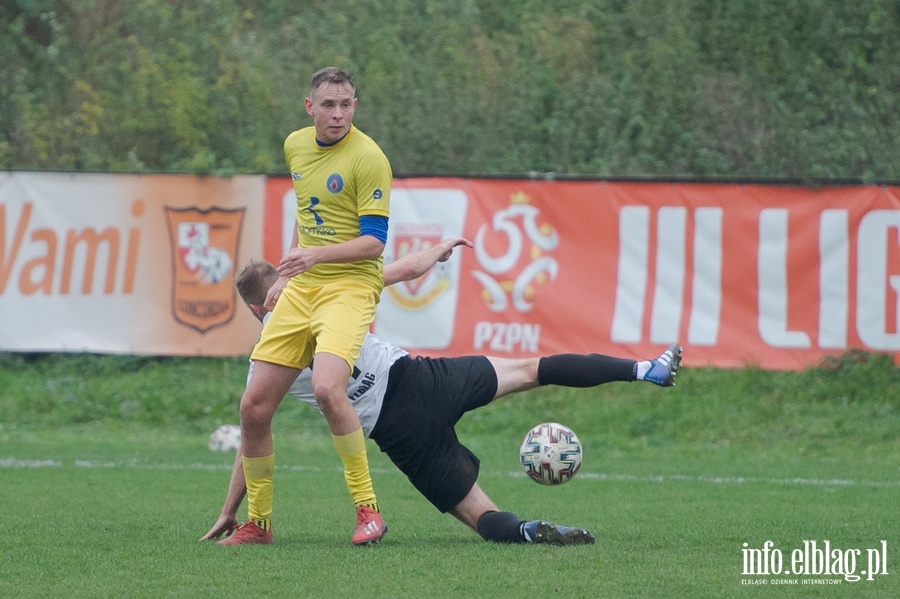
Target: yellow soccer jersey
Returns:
[[335, 185]]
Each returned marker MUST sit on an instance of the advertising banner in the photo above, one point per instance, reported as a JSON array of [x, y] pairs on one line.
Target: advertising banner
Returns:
[[775, 276], [778, 277], [134, 264]]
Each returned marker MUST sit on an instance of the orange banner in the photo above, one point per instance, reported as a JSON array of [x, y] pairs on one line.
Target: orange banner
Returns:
[[774, 276]]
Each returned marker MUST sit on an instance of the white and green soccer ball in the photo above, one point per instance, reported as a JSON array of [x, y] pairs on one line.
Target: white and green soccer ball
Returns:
[[225, 438], [551, 453]]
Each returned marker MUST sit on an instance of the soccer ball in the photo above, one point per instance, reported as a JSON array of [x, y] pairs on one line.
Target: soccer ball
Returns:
[[551, 453], [225, 438]]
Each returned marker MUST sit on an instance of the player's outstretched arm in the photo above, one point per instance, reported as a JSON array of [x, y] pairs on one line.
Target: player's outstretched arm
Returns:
[[416, 264], [237, 488]]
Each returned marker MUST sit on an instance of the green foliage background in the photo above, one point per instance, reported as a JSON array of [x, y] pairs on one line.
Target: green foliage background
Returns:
[[803, 89]]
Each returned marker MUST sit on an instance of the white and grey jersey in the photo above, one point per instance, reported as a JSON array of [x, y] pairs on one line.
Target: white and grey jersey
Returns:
[[367, 383]]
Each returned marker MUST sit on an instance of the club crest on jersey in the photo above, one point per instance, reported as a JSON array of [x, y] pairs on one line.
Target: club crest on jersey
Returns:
[[335, 183], [204, 245]]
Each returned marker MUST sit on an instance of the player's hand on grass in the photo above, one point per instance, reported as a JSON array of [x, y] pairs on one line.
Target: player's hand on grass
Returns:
[[223, 525]]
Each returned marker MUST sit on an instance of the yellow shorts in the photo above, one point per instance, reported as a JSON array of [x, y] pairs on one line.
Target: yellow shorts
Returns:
[[332, 318]]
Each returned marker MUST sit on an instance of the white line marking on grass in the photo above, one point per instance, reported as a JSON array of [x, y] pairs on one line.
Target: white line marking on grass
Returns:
[[11, 463], [731, 480]]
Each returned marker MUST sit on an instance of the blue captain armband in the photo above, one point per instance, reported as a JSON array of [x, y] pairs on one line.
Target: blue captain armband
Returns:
[[374, 225]]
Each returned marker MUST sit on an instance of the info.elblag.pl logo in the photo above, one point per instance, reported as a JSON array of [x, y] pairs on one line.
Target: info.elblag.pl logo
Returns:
[[828, 564]]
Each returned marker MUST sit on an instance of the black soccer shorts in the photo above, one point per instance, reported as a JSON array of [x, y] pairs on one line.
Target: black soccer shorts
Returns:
[[425, 398]]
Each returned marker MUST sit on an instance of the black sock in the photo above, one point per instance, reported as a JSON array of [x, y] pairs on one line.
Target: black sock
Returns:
[[584, 370], [501, 527]]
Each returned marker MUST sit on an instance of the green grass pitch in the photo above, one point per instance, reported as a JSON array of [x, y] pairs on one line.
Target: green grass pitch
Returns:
[[98, 502], [119, 515]]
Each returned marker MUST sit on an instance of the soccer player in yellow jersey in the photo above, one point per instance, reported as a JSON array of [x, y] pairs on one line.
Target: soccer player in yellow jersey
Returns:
[[329, 285], [410, 408]]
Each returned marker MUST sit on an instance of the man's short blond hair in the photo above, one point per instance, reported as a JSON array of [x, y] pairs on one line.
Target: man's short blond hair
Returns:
[[254, 281], [330, 75]]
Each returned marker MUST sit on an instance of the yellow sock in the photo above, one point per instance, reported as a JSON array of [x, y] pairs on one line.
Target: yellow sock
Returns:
[[352, 450], [258, 474]]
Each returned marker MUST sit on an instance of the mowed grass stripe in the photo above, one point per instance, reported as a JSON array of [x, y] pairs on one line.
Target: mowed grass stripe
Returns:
[[14, 463], [131, 530]]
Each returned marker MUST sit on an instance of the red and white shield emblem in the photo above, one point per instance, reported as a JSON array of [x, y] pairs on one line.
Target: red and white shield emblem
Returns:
[[407, 243], [204, 247]]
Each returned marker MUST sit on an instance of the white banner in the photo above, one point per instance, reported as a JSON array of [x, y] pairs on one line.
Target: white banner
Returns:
[[126, 263]]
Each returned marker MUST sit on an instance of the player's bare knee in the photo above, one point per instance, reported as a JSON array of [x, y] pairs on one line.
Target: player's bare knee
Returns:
[[255, 409], [330, 398], [249, 413]]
